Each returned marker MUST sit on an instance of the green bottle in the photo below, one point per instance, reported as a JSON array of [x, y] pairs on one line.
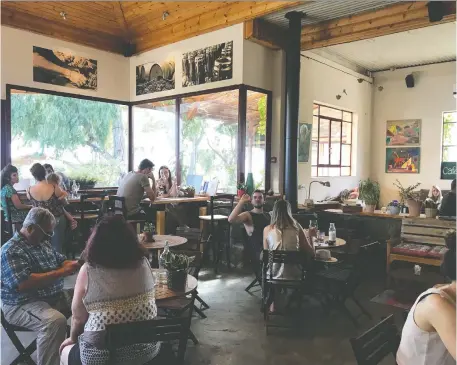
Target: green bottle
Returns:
[[250, 184]]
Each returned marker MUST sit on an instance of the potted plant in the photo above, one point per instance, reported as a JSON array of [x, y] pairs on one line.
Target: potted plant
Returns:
[[176, 266], [188, 191], [369, 192], [148, 232], [393, 207], [431, 208], [410, 197], [241, 189]]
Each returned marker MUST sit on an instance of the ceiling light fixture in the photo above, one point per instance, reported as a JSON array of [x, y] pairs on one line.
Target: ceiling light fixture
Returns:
[[165, 15], [63, 15]]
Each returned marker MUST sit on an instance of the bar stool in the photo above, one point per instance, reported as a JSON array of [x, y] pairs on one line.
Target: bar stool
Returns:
[[217, 222], [117, 206]]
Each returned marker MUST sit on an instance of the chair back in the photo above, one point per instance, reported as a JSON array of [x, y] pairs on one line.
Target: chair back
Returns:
[[221, 204], [9, 222], [165, 330], [429, 231], [376, 343], [299, 258], [86, 208], [117, 205]]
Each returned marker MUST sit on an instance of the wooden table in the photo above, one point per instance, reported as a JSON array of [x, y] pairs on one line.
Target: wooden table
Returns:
[[160, 214], [162, 292], [339, 242], [160, 240], [72, 200]]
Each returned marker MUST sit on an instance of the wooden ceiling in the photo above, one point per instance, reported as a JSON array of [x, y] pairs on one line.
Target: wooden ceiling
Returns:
[[128, 27]]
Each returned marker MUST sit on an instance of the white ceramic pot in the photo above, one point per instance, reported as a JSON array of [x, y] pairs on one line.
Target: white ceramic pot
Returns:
[[393, 210], [431, 212]]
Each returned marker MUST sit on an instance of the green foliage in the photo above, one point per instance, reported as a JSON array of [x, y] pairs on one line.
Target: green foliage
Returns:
[[369, 191], [175, 262], [262, 107], [149, 227], [407, 193], [430, 203]]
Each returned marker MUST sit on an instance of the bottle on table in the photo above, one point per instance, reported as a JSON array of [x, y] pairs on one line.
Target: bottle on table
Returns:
[[164, 255], [332, 233]]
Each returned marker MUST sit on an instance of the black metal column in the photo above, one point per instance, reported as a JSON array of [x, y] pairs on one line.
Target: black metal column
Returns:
[[292, 105]]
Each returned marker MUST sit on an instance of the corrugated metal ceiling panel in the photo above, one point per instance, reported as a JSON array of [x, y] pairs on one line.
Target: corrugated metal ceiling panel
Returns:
[[323, 10]]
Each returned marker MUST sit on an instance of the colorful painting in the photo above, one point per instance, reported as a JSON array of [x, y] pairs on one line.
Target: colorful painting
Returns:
[[152, 77], [304, 141], [403, 132], [207, 65], [64, 69], [403, 160]]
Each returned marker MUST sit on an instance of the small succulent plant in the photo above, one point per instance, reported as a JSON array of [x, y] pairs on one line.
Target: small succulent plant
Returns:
[[175, 262]]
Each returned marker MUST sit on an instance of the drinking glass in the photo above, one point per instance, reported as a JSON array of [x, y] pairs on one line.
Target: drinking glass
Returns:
[[313, 227]]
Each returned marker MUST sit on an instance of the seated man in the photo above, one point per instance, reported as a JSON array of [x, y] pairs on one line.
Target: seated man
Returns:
[[64, 180], [254, 221], [32, 284], [134, 185], [448, 204]]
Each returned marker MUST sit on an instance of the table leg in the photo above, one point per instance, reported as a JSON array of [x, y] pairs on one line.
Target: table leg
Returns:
[[202, 211], [160, 222]]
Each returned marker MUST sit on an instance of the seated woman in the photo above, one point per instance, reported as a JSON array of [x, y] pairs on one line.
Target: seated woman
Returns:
[[436, 195], [47, 196], [115, 285], [429, 332], [10, 199], [166, 187], [285, 233]]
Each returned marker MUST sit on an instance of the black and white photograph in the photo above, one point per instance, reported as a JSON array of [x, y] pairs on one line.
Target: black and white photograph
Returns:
[[64, 69], [152, 77], [208, 64]]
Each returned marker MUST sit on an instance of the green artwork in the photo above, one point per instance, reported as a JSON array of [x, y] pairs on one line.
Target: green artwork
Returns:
[[304, 141]]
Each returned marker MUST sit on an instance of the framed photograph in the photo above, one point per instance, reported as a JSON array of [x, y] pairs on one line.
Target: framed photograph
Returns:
[[152, 77], [304, 141], [206, 65], [403, 160], [403, 132], [64, 69]]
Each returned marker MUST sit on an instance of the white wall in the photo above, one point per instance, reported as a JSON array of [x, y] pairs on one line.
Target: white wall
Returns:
[[321, 83], [431, 95], [176, 50], [258, 68], [17, 65]]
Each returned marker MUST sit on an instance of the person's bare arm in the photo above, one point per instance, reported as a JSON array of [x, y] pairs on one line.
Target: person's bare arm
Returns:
[[40, 280], [440, 313], [265, 235], [150, 194], [73, 222], [78, 309], [237, 215], [59, 192], [304, 242], [18, 204]]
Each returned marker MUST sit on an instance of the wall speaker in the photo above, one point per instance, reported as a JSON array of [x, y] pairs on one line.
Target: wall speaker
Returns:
[[436, 11], [409, 81], [129, 49]]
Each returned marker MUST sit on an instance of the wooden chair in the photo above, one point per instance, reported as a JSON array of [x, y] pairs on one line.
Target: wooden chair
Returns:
[[374, 345], [24, 352], [221, 203], [116, 205], [300, 286], [164, 330], [421, 242]]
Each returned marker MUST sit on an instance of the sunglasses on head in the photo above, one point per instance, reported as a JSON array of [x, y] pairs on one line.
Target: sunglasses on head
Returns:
[[45, 233]]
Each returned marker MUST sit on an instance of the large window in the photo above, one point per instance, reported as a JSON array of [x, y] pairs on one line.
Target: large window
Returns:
[[331, 141], [449, 146], [84, 139], [209, 138], [154, 134]]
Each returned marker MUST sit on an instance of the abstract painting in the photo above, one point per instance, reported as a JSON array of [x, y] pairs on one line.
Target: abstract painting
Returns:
[[403, 132], [207, 65], [64, 69], [304, 141], [403, 160], [152, 77]]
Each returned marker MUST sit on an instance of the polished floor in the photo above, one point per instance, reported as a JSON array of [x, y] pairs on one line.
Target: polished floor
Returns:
[[234, 332]]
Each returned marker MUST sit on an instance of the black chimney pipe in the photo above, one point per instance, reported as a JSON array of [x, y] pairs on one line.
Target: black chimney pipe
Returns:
[[292, 103]]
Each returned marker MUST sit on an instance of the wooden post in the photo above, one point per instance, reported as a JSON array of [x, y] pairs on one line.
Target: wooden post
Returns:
[[202, 211], [160, 222]]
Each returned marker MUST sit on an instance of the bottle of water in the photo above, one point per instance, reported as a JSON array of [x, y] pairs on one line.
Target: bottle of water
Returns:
[[164, 255], [332, 233]]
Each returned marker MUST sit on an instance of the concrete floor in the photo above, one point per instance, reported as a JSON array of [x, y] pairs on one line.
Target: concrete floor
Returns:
[[234, 332]]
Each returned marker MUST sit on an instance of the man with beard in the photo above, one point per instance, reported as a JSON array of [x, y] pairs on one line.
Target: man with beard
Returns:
[[254, 221]]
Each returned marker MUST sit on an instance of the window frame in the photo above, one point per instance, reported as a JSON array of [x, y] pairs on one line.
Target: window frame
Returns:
[[242, 110], [331, 120], [442, 136]]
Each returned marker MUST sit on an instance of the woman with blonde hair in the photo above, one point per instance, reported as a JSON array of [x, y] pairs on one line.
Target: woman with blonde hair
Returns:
[[436, 195]]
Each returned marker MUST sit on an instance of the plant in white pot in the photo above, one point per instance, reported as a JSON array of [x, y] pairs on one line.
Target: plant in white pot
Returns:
[[369, 192], [176, 265], [431, 208], [393, 207], [410, 197]]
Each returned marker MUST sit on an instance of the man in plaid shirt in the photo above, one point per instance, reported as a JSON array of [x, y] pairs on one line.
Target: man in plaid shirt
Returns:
[[32, 284]]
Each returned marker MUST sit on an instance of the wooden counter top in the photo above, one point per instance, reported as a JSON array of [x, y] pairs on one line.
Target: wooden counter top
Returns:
[[164, 201]]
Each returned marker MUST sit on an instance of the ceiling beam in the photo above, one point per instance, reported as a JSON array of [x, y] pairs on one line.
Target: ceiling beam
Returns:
[[392, 19], [230, 14], [99, 40], [265, 34]]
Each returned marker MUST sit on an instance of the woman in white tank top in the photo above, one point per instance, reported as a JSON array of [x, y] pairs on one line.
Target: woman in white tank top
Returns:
[[429, 333]]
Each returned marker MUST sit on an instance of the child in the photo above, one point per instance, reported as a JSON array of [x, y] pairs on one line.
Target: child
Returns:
[[54, 180]]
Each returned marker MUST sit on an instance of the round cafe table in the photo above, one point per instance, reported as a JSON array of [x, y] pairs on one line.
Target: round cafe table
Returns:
[[160, 240], [162, 291], [339, 242]]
